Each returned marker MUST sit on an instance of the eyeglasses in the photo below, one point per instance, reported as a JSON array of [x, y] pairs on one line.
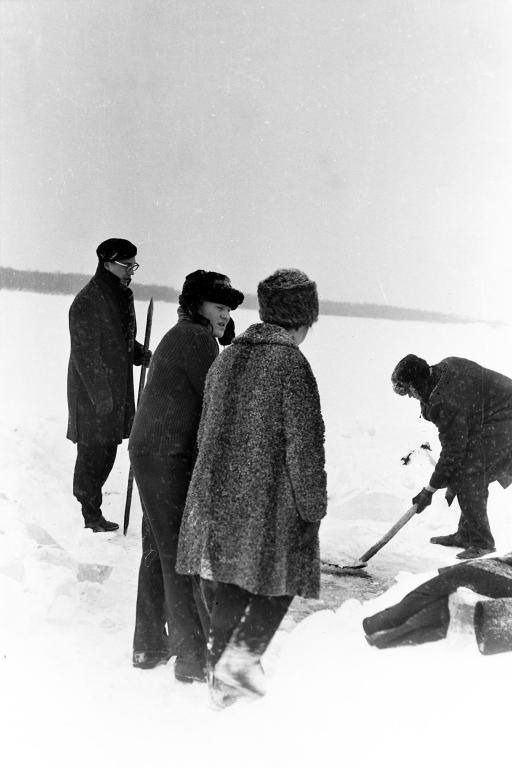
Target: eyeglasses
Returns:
[[129, 267]]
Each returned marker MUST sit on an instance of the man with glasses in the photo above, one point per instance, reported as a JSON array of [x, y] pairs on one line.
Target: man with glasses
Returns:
[[471, 407], [101, 403]]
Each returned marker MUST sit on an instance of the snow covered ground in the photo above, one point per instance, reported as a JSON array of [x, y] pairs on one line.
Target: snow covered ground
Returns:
[[68, 693]]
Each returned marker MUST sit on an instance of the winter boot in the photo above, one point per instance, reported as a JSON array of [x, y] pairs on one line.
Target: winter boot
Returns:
[[101, 525], [190, 666], [222, 695], [150, 659], [425, 626], [475, 551], [451, 540], [241, 669]]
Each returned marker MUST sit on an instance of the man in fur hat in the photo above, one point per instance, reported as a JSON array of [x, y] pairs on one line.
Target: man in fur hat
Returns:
[[472, 408], [162, 450], [101, 405]]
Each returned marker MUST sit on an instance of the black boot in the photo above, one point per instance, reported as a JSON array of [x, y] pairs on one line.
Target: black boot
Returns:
[[150, 659], [190, 666], [475, 551], [101, 525]]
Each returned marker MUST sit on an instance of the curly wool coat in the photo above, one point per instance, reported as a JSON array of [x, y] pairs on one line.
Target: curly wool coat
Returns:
[[259, 475]]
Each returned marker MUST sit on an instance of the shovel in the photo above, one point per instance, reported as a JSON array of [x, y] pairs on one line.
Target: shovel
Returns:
[[356, 569]]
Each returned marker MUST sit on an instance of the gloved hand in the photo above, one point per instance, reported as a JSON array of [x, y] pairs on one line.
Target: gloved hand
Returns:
[[309, 533], [449, 496], [423, 499], [146, 358], [104, 407]]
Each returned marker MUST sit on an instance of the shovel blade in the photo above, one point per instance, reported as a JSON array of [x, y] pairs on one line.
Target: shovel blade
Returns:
[[356, 569]]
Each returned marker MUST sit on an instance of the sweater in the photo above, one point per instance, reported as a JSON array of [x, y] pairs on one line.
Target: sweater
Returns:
[[169, 411]]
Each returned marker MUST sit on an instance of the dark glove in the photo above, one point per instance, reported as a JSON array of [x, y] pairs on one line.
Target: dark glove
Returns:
[[229, 333], [449, 496], [309, 534], [104, 407], [423, 499], [145, 358]]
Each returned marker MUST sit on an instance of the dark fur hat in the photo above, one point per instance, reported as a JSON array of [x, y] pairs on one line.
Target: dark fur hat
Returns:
[[288, 298], [116, 249], [410, 370], [208, 286]]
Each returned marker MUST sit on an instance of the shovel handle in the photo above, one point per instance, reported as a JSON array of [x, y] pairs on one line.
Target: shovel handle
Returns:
[[389, 535]]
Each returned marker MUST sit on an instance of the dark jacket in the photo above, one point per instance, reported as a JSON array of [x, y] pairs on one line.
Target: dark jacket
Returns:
[[259, 475], [169, 411], [472, 408], [103, 351]]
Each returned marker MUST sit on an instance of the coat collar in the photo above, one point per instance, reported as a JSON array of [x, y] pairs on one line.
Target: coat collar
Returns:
[[198, 320], [265, 333], [106, 278]]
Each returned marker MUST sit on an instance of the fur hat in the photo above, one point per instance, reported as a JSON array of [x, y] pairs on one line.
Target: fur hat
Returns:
[[410, 370], [288, 298], [116, 249], [208, 286]]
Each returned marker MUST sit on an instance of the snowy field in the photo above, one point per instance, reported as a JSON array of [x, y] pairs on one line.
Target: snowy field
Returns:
[[68, 693]]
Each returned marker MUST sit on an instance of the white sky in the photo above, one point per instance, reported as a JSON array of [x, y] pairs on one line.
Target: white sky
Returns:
[[367, 142]]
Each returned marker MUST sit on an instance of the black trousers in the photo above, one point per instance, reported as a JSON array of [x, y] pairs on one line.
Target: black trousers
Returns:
[[423, 614], [164, 597], [92, 467], [474, 526], [241, 616]]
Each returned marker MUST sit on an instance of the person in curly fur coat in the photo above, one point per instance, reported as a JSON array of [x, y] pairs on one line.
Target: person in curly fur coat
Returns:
[[258, 490]]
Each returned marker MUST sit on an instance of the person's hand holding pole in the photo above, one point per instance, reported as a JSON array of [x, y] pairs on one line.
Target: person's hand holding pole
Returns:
[[424, 498]]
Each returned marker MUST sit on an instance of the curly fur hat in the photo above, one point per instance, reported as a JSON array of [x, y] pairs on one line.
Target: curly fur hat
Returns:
[[115, 248], [288, 298], [410, 370]]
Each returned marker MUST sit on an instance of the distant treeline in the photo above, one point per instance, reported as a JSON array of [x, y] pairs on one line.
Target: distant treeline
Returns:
[[71, 283]]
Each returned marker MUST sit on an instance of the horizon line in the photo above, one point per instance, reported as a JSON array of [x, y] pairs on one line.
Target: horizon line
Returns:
[[69, 283]]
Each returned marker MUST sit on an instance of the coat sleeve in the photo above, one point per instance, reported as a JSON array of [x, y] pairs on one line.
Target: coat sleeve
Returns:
[[203, 352], [85, 333], [453, 436], [304, 440]]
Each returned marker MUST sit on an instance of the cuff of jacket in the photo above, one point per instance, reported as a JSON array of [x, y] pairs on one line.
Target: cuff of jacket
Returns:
[[314, 510], [437, 481]]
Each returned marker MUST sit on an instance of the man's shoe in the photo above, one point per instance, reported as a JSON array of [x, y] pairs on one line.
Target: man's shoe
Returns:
[[150, 659], [190, 668], [101, 525], [472, 552], [451, 540]]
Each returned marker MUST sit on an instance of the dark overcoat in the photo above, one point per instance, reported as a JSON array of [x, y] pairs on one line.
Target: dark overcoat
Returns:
[[259, 475], [103, 351], [472, 409]]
